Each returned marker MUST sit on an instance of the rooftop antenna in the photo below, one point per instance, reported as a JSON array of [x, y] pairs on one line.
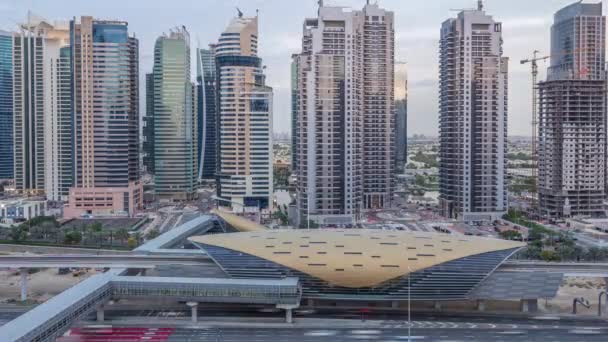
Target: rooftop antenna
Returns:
[[239, 12], [480, 5]]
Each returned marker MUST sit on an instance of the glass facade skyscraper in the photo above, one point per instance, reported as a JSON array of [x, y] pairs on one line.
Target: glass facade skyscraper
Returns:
[[244, 179], [106, 118], [400, 116], [175, 118], [207, 115], [6, 106], [148, 129]]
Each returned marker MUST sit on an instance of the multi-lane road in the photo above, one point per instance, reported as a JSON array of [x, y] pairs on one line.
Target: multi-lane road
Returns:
[[261, 334]]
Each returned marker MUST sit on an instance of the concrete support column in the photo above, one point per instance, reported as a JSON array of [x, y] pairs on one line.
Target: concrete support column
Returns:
[[481, 305], [288, 316], [437, 305], [23, 274], [194, 311], [100, 314], [529, 305]]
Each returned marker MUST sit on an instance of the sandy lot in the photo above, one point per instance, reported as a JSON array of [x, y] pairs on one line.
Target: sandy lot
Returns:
[[41, 285], [588, 288]]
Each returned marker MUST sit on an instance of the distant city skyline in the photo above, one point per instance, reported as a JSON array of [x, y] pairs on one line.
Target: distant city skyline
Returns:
[[526, 27]]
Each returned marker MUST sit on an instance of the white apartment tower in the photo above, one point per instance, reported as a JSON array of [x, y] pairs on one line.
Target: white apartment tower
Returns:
[[472, 117], [572, 115], [244, 120], [42, 104], [345, 114]]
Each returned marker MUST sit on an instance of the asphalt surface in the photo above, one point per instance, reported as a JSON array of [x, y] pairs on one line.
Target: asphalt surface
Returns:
[[390, 319], [336, 335]]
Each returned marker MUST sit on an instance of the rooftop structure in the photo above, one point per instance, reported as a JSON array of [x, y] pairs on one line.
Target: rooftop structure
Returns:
[[361, 264]]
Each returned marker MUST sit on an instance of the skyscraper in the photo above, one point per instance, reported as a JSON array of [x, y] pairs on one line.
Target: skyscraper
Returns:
[[472, 117], [244, 179], [6, 106], [106, 139], [400, 117], [148, 129], [58, 132], [207, 113], [294, 113], [345, 115], [40, 108], [28, 95], [175, 118], [572, 115]]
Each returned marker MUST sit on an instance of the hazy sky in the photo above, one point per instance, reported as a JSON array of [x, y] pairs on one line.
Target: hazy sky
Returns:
[[526, 25]]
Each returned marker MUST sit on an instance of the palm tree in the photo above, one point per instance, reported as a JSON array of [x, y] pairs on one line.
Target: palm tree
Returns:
[[122, 234]]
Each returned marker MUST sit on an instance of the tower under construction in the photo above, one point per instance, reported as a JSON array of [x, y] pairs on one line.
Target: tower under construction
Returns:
[[572, 116]]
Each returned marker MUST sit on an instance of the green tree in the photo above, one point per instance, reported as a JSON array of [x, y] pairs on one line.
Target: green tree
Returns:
[[47, 228], [97, 227], [73, 237], [420, 181], [18, 233], [594, 253], [411, 166], [152, 234], [122, 234], [281, 216], [510, 235], [548, 255], [131, 242]]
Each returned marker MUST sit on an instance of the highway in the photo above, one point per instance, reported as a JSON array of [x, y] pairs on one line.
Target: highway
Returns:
[[334, 334], [98, 261], [255, 325]]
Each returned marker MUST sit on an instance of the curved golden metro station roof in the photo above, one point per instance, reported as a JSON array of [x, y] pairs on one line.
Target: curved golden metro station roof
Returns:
[[239, 223], [355, 258]]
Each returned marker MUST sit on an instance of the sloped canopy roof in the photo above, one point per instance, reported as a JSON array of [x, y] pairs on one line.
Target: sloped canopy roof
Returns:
[[355, 257], [239, 223]]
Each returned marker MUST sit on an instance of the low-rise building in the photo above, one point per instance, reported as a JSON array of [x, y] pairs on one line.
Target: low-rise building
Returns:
[[103, 201], [18, 210]]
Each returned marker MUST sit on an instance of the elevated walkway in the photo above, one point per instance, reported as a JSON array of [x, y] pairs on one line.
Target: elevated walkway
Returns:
[[99, 261], [51, 319]]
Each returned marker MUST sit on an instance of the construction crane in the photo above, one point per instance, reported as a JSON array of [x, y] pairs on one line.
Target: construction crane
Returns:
[[534, 63]]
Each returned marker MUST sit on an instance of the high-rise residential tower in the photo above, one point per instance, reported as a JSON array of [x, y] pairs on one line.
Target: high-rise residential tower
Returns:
[[42, 109], [472, 117], [106, 132], [207, 113], [58, 127], [244, 179], [175, 118], [344, 110], [572, 115], [294, 113], [400, 117], [6, 106]]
